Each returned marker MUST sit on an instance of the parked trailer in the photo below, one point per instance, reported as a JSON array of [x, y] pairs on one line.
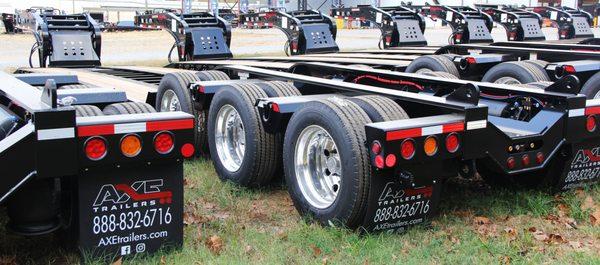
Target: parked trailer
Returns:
[[110, 180], [571, 23], [400, 26], [351, 154], [520, 24]]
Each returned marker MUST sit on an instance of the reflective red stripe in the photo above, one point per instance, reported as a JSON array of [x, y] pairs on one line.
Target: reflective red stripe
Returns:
[[169, 125], [151, 126], [92, 130], [592, 110], [401, 134], [453, 127]]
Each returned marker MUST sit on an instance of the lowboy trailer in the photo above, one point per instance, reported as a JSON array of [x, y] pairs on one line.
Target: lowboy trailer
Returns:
[[90, 164]]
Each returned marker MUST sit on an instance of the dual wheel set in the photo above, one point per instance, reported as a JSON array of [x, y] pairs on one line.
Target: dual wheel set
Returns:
[[322, 153]]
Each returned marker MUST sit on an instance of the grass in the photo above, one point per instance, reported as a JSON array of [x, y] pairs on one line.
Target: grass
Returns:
[[262, 226]]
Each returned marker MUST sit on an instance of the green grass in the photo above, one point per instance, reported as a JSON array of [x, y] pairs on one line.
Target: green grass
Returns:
[[262, 227]]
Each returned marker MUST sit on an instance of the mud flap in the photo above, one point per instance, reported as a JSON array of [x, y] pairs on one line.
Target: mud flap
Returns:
[[131, 211], [395, 205], [583, 168]]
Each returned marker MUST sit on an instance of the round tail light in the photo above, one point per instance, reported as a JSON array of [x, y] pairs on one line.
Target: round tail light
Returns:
[[452, 142], [131, 145], [390, 160], [590, 123], [95, 148], [164, 143], [407, 149], [431, 146], [376, 148]]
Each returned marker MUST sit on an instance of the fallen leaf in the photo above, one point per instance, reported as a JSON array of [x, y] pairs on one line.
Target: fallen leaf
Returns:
[[119, 261], [505, 260], [480, 220], [595, 217], [563, 209], [588, 203], [163, 260], [454, 240], [576, 245], [215, 244], [556, 238], [248, 250], [324, 261], [282, 234], [532, 229], [511, 232], [570, 223], [192, 218], [539, 235], [316, 250]]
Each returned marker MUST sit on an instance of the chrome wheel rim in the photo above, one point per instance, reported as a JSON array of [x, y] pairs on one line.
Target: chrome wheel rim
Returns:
[[230, 138], [507, 80], [170, 102], [318, 166]]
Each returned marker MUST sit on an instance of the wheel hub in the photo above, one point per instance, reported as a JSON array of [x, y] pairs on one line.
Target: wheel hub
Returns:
[[230, 138], [170, 102], [318, 166]]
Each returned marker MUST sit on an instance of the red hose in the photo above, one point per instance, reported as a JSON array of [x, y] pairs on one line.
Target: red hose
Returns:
[[388, 81]]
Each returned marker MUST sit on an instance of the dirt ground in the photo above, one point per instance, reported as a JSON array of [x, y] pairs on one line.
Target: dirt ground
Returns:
[[130, 47]]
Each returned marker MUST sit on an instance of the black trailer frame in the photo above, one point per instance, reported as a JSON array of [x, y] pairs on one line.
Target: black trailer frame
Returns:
[[572, 23]]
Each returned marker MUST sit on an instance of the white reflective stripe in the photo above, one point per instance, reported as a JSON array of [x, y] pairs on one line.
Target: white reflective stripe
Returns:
[[576, 112], [53, 134], [432, 130], [130, 127], [472, 125]]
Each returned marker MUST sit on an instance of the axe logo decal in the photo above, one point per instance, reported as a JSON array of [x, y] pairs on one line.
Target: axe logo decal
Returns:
[[138, 191]]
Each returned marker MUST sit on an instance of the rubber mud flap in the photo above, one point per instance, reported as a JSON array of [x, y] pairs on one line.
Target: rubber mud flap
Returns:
[[583, 169], [395, 205], [129, 211]]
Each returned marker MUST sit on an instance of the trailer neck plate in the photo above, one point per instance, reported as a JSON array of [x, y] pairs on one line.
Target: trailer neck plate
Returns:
[[319, 39], [209, 43], [73, 48]]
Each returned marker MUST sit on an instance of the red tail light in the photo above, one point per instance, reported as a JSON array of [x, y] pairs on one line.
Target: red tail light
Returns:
[[164, 143], [511, 163], [569, 69], [590, 123], [525, 160], [187, 150], [379, 161], [275, 107], [539, 157], [376, 148], [452, 142], [407, 149], [470, 60], [95, 148], [390, 160]]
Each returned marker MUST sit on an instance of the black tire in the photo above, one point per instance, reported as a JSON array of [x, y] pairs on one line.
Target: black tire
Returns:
[[541, 64], [591, 88], [435, 63], [279, 89], [87, 111], [79, 86], [261, 157], [522, 71], [178, 82], [539, 85], [128, 108], [212, 75], [441, 74], [345, 122], [380, 108]]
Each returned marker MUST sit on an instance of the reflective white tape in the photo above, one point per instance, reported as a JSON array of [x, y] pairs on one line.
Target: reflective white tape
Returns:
[[472, 125], [130, 127], [54, 134], [432, 130], [576, 112]]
